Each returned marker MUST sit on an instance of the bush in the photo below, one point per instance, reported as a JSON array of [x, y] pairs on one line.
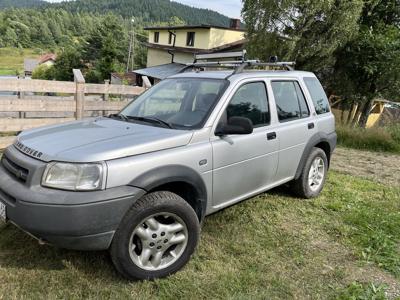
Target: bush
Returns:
[[374, 139]]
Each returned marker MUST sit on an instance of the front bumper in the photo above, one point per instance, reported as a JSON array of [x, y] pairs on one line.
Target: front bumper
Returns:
[[73, 220]]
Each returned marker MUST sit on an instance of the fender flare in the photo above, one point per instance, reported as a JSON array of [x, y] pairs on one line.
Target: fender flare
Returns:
[[312, 142], [175, 173]]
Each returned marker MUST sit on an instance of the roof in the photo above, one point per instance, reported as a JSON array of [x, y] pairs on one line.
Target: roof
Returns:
[[47, 57], [161, 71], [30, 64], [229, 46], [183, 27]]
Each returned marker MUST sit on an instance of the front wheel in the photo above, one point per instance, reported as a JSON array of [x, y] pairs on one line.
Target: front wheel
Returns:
[[156, 238], [313, 176]]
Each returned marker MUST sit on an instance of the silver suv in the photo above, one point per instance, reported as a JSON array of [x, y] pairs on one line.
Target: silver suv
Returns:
[[140, 182]]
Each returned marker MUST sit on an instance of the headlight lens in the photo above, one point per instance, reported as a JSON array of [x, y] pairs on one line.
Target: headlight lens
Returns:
[[74, 177]]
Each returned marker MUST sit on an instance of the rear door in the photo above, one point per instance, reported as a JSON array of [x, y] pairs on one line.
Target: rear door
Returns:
[[325, 120], [295, 125], [245, 164]]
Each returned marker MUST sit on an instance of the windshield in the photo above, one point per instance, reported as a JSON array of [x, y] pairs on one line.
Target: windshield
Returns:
[[183, 103]]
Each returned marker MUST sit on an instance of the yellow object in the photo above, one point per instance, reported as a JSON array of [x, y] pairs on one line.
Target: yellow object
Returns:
[[377, 110]]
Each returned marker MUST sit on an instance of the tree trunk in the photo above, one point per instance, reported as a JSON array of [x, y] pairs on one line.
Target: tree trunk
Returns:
[[356, 116], [350, 113], [365, 112]]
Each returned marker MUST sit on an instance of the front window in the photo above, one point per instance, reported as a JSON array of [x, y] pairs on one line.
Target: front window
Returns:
[[182, 103], [250, 101]]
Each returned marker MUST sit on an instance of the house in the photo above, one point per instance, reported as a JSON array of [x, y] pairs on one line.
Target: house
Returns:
[[48, 59], [178, 44], [169, 49], [30, 64]]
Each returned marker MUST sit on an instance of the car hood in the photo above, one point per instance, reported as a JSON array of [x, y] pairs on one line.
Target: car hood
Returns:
[[98, 140]]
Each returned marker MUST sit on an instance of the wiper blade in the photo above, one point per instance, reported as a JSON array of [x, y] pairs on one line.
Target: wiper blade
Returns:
[[119, 116], [143, 119], [152, 120]]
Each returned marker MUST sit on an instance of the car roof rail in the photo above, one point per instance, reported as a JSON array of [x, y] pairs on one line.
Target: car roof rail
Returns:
[[200, 62]]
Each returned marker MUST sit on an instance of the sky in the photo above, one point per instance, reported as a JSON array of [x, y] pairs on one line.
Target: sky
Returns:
[[230, 8]]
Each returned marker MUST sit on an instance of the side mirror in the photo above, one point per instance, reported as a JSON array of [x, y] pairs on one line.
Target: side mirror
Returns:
[[236, 125]]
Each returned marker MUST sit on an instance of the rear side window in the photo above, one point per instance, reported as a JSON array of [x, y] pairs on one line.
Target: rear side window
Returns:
[[290, 101], [250, 101], [318, 95]]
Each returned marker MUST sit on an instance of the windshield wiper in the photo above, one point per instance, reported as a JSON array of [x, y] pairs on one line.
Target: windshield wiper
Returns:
[[119, 116], [142, 119], [151, 120]]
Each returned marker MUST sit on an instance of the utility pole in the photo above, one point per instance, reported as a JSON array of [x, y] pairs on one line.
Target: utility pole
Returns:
[[131, 54]]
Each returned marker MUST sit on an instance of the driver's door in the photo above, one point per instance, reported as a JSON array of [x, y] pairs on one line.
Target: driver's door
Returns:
[[244, 165]]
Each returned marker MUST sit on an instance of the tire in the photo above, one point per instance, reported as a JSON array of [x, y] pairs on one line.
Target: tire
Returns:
[[157, 220], [301, 186]]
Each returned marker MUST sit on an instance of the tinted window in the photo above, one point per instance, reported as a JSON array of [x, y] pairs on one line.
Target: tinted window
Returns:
[[318, 95], [190, 39], [250, 101], [156, 37], [290, 101]]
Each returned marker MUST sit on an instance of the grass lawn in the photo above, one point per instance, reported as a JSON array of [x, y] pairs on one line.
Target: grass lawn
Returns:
[[344, 244], [12, 60]]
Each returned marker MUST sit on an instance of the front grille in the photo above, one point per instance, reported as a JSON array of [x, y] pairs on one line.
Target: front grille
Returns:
[[19, 172]]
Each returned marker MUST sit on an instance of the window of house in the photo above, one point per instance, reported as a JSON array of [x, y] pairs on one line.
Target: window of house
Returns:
[[290, 101], [318, 95], [190, 39], [170, 36], [250, 101], [156, 37]]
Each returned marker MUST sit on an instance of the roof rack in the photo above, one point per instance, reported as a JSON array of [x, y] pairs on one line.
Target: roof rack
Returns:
[[238, 65]]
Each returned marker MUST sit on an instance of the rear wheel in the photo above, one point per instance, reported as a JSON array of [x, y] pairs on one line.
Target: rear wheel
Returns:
[[312, 178], [156, 238]]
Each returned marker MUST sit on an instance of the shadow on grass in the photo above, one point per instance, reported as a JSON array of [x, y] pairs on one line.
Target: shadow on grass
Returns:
[[21, 252]]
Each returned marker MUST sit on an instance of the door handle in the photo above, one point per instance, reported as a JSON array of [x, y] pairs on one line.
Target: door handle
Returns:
[[311, 125], [271, 136]]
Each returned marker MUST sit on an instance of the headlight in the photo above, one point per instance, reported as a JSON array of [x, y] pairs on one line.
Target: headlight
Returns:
[[74, 177]]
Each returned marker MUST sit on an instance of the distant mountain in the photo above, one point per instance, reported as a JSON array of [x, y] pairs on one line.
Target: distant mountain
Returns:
[[149, 11], [20, 3]]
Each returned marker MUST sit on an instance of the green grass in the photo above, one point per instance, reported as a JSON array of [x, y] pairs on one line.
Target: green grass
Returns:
[[12, 60], [373, 139], [359, 291], [273, 246]]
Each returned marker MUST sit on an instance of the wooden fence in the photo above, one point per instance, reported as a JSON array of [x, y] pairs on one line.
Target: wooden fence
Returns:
[[31, 106]]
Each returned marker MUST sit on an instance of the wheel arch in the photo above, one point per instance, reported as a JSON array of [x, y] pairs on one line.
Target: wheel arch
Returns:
[[181, 180], [326, 142]]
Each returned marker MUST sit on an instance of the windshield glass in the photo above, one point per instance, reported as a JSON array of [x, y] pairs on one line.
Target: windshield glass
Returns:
[[183, 103]]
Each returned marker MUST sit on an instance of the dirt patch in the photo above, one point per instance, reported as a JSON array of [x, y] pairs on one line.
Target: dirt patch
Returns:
[[377, 166]]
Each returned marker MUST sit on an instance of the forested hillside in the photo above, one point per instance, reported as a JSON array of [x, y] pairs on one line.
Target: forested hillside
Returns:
[[143, 10], [28, 28], [20, 3]]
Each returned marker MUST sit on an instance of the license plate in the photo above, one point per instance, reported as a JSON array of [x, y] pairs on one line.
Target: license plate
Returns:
[[3, 215]]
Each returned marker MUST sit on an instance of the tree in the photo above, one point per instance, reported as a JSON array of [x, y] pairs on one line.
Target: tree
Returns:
[[106, 47], [305, 31], [43, 72], [68, 59], [369, 65]]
